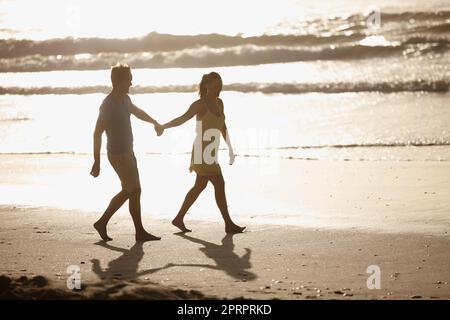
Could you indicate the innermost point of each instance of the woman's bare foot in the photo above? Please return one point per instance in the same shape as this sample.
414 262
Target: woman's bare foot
180 225
234 228
101 229
145 236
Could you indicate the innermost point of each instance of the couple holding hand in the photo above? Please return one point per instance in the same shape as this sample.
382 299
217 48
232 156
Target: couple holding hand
114 119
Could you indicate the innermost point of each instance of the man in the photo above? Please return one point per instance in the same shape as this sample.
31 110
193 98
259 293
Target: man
114 118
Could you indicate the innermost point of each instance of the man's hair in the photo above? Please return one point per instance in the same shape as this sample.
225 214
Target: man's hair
119 72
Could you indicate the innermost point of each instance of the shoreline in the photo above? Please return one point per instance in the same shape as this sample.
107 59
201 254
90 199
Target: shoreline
386 196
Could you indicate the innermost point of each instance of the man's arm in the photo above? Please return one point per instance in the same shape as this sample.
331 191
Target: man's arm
141 114
99 128
192 111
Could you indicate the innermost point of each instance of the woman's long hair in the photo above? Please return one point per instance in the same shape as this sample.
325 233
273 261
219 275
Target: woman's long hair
206 79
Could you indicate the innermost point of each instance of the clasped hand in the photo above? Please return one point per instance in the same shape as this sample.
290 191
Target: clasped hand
159 129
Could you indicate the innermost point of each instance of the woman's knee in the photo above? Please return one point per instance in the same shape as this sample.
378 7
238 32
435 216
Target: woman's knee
200 183
218 182
200 186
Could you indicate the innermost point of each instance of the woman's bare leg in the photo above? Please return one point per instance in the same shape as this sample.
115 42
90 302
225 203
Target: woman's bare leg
221 200
191 196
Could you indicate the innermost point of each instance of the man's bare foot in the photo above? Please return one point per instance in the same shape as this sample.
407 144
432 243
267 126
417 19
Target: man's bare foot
101 229
234 229
145 236
180 225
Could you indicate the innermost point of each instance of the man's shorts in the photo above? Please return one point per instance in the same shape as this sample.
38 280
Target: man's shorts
125 166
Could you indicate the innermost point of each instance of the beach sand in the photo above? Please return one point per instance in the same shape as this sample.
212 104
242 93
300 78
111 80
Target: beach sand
323 258
267 261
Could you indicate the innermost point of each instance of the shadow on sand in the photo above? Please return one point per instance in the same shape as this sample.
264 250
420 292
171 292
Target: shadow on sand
224 256
124 267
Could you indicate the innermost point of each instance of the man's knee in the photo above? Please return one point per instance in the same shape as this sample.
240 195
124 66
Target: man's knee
135 192
123 194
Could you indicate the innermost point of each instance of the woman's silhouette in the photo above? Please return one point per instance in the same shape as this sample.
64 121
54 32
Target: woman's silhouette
224 256
209 112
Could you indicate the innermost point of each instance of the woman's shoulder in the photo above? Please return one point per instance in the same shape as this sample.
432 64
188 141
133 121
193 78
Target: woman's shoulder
195 107
199 103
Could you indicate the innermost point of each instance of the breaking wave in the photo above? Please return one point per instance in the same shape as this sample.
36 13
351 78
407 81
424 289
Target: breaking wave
285 88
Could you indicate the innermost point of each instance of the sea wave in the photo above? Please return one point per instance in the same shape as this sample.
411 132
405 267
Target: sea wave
343 152
417 15
371 145
268 88
312 32
339 38
155 42
205 57
15 119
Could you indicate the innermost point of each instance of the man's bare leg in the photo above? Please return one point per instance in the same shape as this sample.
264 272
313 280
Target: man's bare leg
135 211
116 202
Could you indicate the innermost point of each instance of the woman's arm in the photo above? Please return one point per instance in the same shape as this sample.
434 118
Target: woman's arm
224 129
226 136
192 111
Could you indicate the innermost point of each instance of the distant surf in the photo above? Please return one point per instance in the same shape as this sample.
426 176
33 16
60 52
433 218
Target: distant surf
285 88
340 38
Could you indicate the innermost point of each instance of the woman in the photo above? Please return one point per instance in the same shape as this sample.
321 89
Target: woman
210 124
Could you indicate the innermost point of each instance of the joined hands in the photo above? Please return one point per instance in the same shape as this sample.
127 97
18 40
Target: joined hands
159 129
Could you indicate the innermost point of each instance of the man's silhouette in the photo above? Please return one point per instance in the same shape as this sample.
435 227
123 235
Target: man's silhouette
114 119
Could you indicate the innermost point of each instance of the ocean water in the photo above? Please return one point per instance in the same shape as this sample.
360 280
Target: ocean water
302 80
339 126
